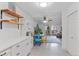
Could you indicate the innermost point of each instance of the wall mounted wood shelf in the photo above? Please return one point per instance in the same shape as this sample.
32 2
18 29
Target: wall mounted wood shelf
12 13
12 21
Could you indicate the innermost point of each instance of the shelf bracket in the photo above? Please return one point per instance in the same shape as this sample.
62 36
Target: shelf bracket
18 23
1 21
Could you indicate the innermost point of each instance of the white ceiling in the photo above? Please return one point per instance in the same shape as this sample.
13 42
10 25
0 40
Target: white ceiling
53 10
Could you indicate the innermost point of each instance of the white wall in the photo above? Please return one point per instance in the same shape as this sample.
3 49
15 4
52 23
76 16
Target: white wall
3 5
9 26
28 23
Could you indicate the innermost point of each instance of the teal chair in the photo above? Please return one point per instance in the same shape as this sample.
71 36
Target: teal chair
37 39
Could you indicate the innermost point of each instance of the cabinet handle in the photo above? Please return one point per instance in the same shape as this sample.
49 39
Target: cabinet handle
27 43
3 54
72 37
18 46
18 54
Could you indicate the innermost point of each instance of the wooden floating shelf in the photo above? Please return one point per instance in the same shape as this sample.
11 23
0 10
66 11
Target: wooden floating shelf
12 13
10 21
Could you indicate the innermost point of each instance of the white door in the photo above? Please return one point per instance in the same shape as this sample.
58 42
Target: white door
72 32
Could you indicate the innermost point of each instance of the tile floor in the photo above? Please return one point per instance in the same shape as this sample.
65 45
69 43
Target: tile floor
49 49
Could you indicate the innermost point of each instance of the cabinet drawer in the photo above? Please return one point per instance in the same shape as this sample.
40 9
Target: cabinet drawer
19 49
16 47
6 52
17 53
16 50
22 48
29 46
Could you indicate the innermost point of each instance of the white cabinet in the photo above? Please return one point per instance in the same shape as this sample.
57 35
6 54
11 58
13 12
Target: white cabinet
6 52
16 50
22 48
30 43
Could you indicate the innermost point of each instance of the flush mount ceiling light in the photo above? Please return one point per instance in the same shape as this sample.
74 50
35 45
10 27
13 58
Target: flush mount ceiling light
44 21
43 4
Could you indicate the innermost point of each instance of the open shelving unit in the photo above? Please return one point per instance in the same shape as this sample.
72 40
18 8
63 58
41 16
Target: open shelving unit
10 13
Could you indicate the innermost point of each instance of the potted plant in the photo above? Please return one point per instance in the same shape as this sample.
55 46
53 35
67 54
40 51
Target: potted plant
37 30
48 30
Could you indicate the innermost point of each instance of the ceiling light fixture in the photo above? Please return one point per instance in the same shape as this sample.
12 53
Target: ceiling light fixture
43 4
44 21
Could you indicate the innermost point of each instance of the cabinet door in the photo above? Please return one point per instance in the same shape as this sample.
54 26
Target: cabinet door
6 52
20 49
16 50
24 47
31 42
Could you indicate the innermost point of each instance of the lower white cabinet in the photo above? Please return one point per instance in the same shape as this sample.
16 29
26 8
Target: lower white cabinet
20 49
6 52
29 44
16 50
23 48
